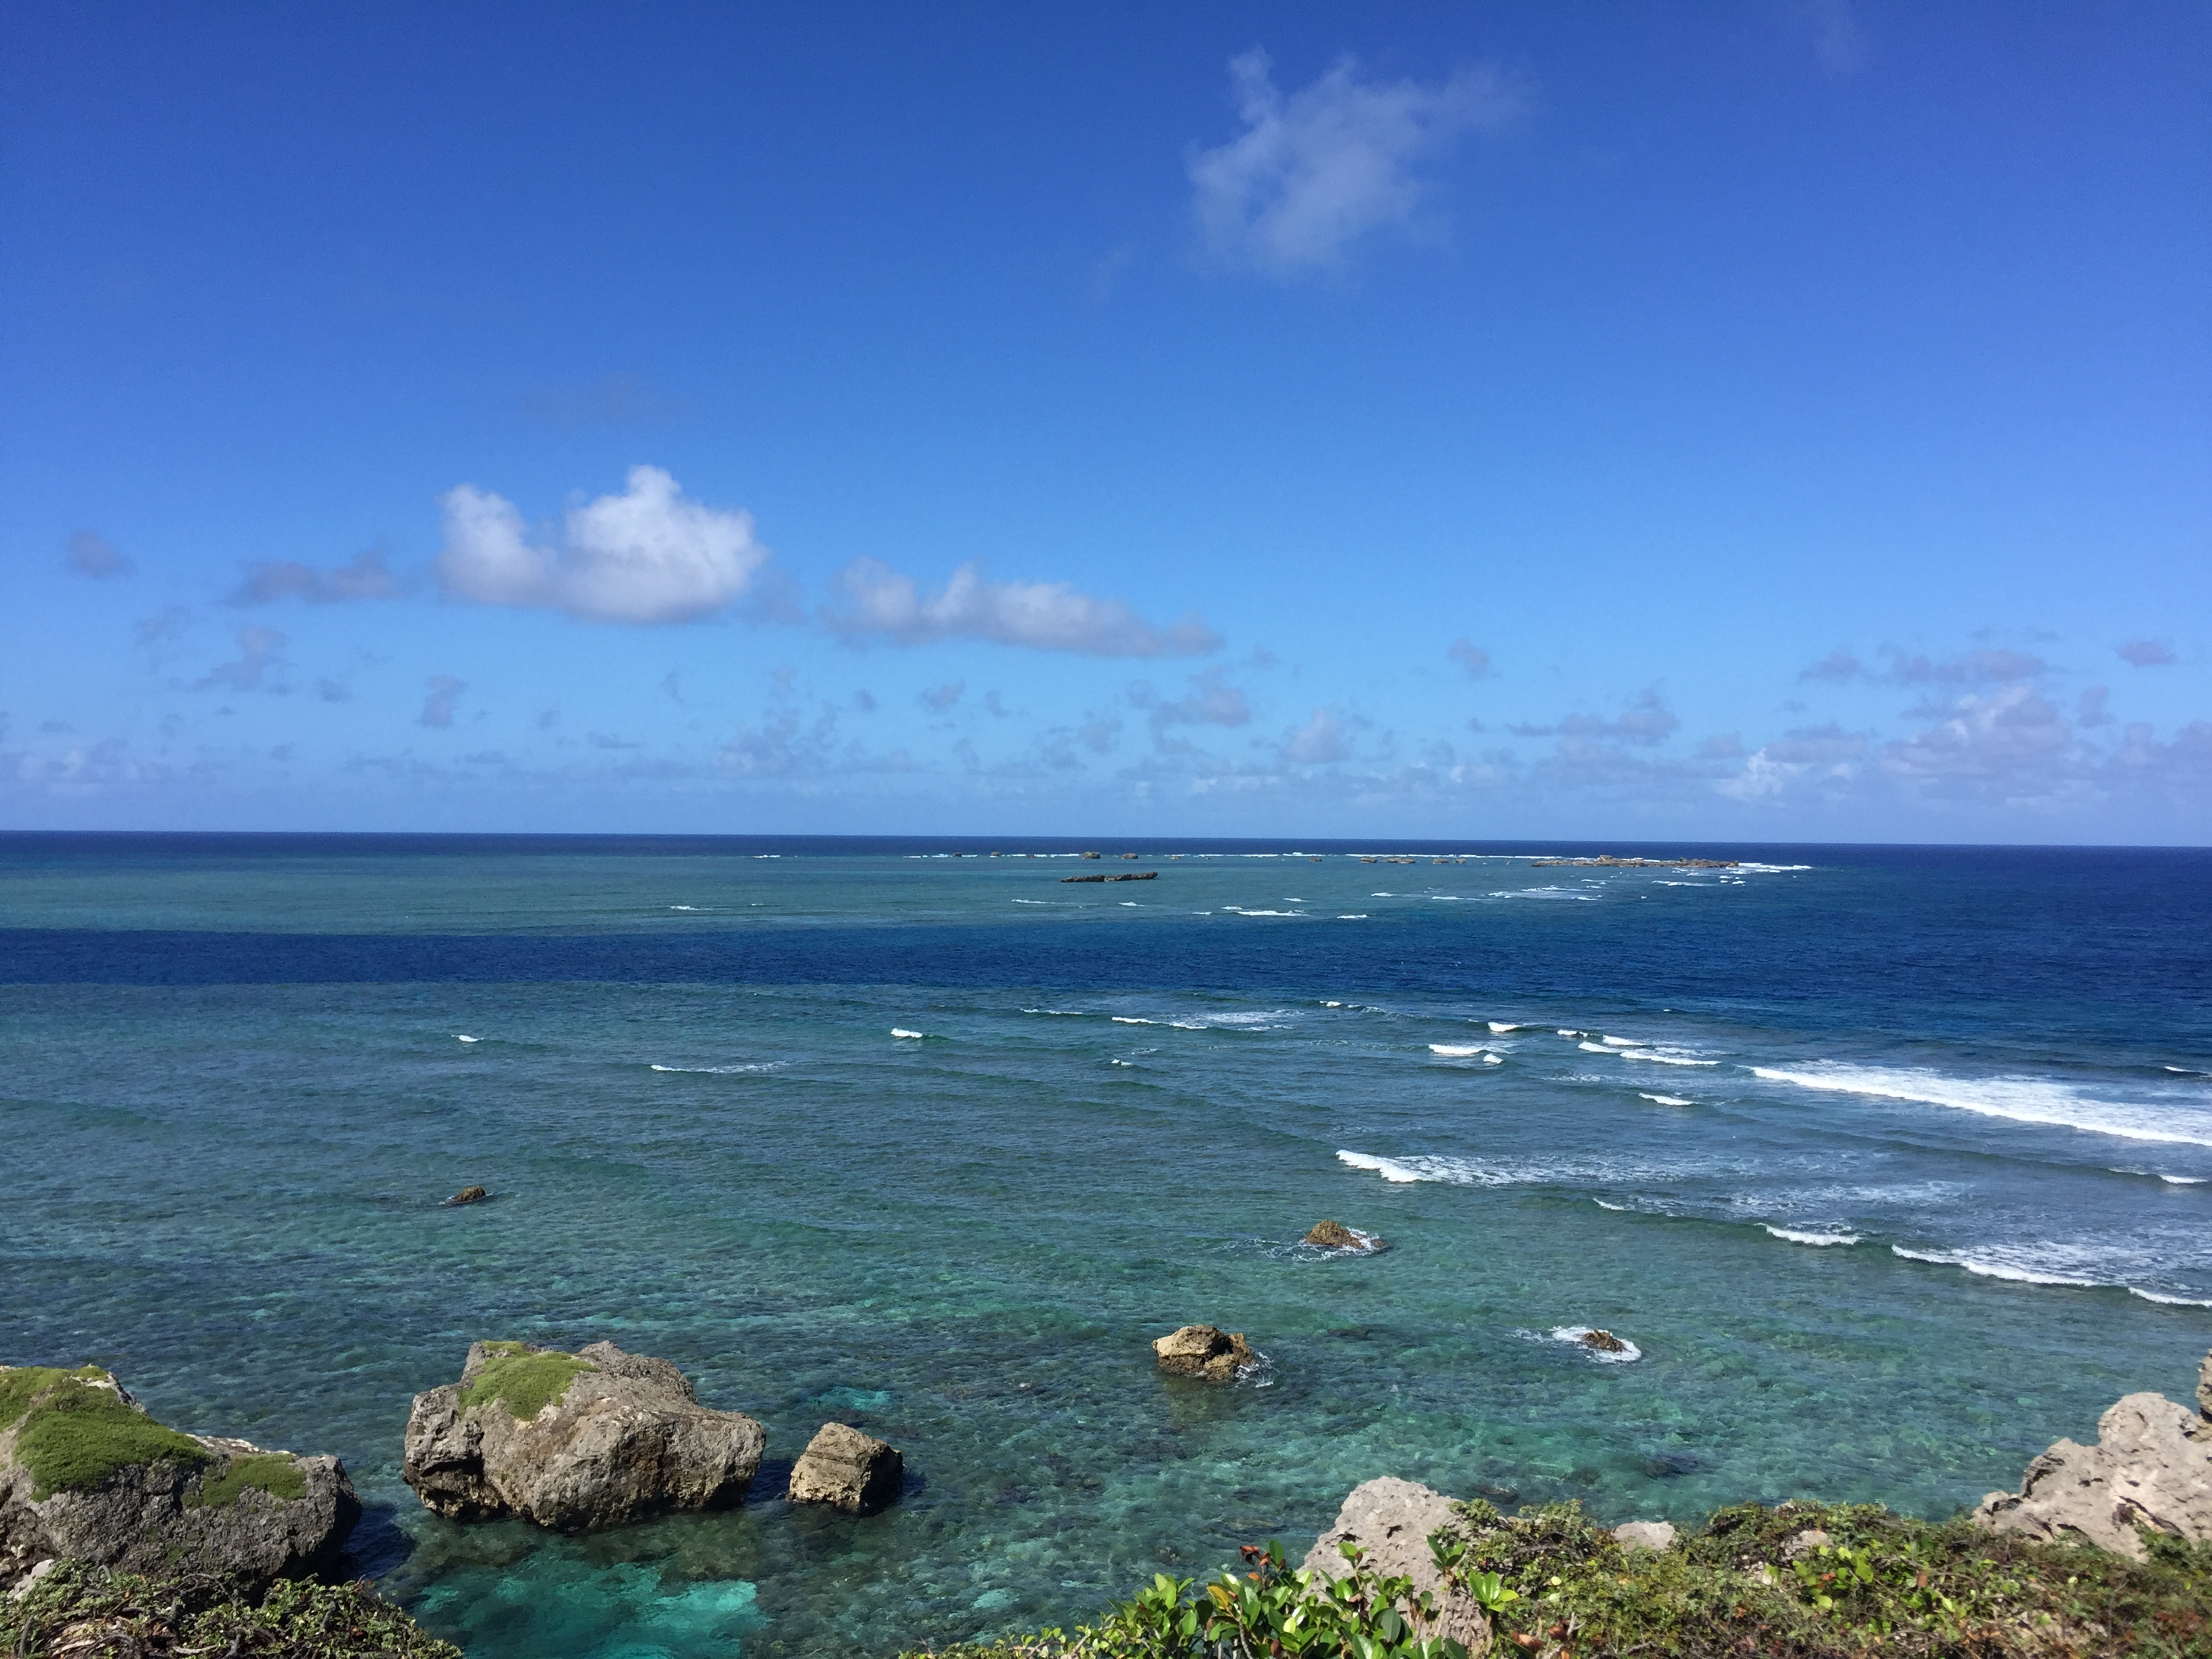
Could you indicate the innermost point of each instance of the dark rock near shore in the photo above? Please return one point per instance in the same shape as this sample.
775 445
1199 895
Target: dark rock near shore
87 1475
469 1196
2151 1467
573 1442
1205 1352
1603 1341
842 1467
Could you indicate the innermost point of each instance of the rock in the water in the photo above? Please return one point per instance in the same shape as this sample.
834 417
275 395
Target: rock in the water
1603 1341
1335 1236
469 1196
574 1441
1644 1534
86 1473
1204 1351
1391 1520
2151 1467
843 1467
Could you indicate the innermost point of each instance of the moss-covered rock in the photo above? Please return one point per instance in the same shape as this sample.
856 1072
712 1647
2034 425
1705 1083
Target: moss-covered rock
523 1380
87 1474
80 1610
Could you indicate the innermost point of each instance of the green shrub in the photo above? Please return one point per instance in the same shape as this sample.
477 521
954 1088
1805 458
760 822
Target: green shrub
524 1382
20 1384
78 1610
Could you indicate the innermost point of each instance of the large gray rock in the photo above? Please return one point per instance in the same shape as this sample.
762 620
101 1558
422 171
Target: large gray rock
573 1442
1391 1520
2151 1467
87 1474
842 1467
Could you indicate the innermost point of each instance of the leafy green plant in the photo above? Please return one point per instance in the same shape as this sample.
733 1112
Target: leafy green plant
524 1382
76 1610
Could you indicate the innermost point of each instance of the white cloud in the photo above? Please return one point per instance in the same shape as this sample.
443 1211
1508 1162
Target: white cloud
875 599
1212 702
645 556
1649 720
367 577
91 554
444 692
1320 740
1313 172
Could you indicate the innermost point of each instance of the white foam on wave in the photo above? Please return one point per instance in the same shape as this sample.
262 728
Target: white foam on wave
1131 1019
1058 1013
462 1036
1621 1042
682 907
1772 869
1667 1100
899 1031
1593 1048
1239 910
1028 901
1501 1026
1662 1058
722 1071
1985 1267
1629 1352
1353 915
1493 1060
1819 1241
1564 1032
2167 1301
1388 1168
1602 1205
2018 1099
1455 1050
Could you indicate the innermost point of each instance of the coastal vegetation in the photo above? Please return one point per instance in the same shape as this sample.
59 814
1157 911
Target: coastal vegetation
1796 1581
80 1612
74 1429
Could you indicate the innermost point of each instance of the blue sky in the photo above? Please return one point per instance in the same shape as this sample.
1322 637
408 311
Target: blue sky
1775 420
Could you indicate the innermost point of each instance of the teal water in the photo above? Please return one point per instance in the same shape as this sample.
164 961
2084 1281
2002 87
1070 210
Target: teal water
234 1091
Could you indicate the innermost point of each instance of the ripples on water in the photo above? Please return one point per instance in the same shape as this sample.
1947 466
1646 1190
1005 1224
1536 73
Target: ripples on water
1892 1167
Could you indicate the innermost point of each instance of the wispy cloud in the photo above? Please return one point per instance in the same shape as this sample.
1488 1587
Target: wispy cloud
1985 666
1649 721
647 556
939 700
2147 653
259 649
91 554
1314 171
1469 656
366 577
1321 740
875 600
610 400
1839 39
443 695
1210 700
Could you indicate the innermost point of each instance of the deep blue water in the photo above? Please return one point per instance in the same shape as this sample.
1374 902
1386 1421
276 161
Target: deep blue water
1893 1163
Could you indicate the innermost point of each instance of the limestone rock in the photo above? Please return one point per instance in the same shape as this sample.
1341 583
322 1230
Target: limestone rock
469 1196
843 1467
1335 1236
86 1473
2151 1467
1603 1341
1391 1520
1204 1351
573 1442
1644 1534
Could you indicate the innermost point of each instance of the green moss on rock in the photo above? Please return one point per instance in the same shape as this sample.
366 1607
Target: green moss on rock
524 1382
277 1474
76 1433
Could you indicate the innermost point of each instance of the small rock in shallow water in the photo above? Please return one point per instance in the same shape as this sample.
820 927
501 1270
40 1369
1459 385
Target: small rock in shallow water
1646 1535
842 1467
1204 1351
1335 1236
1603 1341
469 1196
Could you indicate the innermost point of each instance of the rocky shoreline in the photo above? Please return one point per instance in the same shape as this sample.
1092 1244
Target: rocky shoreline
94 1494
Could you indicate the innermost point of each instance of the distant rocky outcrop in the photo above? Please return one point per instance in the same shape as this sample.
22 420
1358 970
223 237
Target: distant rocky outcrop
2151 1467
86 1473
573 1442
1391 1521
1204 1351
1335 1236
1603 1341
468 1195
842 1467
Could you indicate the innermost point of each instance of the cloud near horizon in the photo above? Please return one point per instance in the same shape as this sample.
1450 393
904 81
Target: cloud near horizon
876 601
648 555
1314 171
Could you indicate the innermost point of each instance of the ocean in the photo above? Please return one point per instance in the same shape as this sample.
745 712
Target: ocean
1892 1164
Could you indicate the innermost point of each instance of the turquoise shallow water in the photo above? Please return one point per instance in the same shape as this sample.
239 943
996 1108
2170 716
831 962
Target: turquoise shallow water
235 1089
